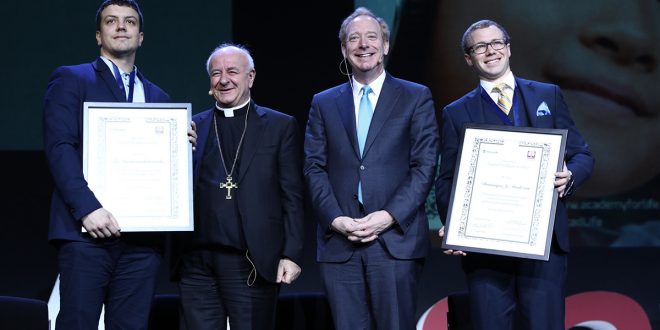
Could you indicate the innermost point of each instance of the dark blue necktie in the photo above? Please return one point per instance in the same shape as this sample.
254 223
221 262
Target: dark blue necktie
120 82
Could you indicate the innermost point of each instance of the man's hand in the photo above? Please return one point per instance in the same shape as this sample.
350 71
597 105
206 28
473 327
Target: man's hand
345 226
369 227
441 234
101 224
287 271
192 135
562 180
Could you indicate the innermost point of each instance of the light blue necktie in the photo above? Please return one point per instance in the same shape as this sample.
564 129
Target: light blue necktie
364 120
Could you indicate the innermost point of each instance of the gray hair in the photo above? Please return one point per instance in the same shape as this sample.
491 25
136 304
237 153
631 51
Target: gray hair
361 11
241 48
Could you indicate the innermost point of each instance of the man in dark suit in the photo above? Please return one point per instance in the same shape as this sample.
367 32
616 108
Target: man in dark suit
248 204
368 179
499 287
97 267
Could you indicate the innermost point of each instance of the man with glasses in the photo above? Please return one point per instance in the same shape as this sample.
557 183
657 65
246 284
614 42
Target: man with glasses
507 291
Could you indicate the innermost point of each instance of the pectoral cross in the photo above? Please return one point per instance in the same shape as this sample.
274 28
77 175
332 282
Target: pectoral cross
229 186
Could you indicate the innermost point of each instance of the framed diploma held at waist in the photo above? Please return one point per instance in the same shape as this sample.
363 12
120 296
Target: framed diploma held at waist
138 162
503 199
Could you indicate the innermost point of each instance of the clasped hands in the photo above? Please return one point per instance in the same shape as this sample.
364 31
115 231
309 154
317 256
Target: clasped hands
365 229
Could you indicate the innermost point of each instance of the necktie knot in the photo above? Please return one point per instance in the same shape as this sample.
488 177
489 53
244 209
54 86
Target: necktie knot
500 88
366 90
503 100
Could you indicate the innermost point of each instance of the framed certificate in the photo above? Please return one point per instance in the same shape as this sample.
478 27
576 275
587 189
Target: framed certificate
138 162
503 198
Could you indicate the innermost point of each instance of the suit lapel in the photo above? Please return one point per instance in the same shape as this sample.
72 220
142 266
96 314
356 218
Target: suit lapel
387 100
475 106
346 109
530 100
256 125
109 79
146 84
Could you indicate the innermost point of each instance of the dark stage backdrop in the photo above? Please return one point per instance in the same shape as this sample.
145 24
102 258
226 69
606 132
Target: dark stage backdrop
602 54
178 36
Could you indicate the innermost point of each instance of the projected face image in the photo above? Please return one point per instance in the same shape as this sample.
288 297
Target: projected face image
604 59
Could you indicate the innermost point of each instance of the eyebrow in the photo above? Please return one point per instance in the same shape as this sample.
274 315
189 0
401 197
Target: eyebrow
116 16
368 33
226 68
491 40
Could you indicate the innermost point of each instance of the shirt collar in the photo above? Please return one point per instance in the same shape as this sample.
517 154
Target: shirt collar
109 64
217 106
508 79
375 85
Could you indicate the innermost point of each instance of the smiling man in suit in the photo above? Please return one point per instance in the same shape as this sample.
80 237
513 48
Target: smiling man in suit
248 189
99 266
371 148
506 290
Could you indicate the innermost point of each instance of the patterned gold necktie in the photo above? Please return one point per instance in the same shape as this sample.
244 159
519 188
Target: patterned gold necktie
503 101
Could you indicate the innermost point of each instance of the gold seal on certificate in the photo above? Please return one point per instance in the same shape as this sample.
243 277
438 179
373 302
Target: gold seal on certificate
503 197
138 162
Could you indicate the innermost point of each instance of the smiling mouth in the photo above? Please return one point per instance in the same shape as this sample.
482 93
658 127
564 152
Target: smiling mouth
492 61
622 96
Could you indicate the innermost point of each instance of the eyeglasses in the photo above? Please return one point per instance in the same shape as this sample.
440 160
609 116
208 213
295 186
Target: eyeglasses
481 47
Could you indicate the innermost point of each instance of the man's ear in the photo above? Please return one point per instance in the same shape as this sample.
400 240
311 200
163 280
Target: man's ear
468 59
251 77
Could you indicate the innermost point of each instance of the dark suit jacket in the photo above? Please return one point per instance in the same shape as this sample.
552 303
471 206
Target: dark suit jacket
470 109
270 185
68 88
397 170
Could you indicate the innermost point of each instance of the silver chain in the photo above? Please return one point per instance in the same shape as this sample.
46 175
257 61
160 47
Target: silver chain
240 142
